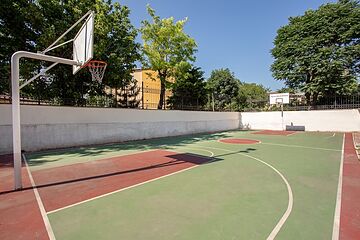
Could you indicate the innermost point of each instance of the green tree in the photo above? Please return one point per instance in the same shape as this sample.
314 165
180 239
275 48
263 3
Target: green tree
43 21
129 95
224 88
114 42
121 53
286 90
167 48
253 96
19 30
319 52
188 91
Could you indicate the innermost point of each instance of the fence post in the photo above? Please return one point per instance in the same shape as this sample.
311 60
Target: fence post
213 102
142 95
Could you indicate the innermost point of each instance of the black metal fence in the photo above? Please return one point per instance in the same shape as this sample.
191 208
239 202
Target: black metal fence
300 104
148 98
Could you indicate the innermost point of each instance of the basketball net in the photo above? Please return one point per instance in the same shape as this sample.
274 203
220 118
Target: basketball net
97 69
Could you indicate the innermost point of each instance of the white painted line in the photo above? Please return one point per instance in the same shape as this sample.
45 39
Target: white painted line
283 219
211 153
333 135
45 218
257 141
126 188
357 149
299 146
336 226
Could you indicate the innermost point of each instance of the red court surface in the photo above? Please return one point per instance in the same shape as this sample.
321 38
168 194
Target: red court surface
274 132
350 199
20 217
239 141
66 185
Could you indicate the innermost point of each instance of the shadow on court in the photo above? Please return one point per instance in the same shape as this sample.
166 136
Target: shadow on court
70 184
175 159
44 157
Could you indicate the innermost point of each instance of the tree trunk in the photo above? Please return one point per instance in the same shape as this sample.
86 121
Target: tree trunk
162 76
162 95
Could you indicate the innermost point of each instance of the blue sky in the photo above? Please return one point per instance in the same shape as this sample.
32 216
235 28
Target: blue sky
234 34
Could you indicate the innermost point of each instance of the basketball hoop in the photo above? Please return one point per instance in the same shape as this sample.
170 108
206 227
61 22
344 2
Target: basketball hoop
97 69
279 102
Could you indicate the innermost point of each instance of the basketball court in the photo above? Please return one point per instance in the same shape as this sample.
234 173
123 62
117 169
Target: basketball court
185 188
225 185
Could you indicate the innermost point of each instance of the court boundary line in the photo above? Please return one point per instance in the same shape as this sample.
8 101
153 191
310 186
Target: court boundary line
129 187
257 132
300 146
257 141
357 149
44 216
337 214
287 213
297 146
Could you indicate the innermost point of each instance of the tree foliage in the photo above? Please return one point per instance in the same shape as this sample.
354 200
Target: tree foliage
129 95
188 91
252 96
167 48
40 22
224 88
286 90
319 52
122 52
19 28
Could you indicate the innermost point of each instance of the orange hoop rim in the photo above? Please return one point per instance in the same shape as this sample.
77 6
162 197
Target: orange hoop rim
95 64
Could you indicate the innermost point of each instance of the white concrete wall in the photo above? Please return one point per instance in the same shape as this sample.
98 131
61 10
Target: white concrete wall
46 127
324 120
54 127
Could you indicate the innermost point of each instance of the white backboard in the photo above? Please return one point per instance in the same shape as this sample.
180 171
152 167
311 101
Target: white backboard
83 43
280 98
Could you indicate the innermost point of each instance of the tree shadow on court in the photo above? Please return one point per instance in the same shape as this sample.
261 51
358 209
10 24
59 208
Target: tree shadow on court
247 150
176 159
101 151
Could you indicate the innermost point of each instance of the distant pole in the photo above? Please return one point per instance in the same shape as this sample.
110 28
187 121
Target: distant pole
213 102
142 95
282 116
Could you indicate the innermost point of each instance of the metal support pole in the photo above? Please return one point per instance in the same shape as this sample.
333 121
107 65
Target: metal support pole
67 31
15 96
282 116
38 75
15 60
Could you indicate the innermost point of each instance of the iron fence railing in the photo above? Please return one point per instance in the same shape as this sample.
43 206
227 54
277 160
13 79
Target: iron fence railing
148 98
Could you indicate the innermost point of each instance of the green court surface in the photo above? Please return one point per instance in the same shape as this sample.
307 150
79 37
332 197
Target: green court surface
239 196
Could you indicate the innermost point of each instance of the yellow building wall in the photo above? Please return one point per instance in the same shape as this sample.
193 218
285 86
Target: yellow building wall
150 82
149 85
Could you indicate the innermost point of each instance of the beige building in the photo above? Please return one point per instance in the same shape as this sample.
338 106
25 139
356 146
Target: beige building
149 89
149 83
